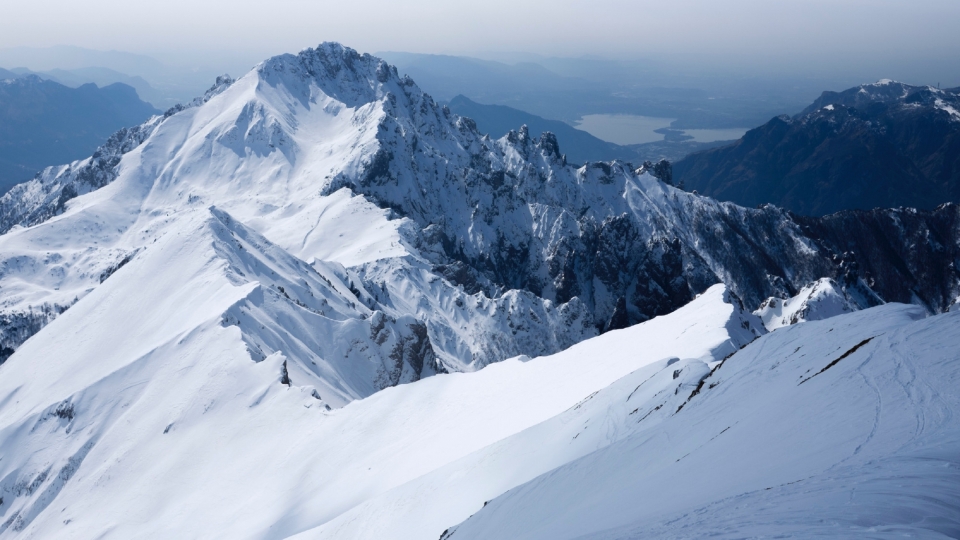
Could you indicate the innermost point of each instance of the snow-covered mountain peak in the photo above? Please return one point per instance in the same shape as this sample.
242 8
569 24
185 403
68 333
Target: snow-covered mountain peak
339 72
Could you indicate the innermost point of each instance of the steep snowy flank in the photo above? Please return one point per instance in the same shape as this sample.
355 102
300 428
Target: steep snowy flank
837 428
118 421
266 149
30 301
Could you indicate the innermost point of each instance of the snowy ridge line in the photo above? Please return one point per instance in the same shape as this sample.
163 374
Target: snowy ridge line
313 325
165 406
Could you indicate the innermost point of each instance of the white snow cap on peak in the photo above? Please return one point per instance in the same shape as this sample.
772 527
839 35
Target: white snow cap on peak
340 72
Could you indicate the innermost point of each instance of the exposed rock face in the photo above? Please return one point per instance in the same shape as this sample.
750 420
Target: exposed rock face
17 326
904 255
874 146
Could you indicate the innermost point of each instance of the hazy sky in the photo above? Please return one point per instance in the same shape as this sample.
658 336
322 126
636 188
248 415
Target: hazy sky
765 34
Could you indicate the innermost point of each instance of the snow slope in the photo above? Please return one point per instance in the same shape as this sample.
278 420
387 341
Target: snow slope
839 428
118 421
268 149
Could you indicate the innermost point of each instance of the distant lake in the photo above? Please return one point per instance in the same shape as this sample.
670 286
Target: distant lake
624 128
635 129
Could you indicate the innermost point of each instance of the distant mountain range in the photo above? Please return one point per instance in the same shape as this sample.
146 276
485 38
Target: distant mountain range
43 122
100 76
160 84
880 145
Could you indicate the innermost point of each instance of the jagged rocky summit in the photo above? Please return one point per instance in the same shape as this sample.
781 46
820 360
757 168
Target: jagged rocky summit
474 249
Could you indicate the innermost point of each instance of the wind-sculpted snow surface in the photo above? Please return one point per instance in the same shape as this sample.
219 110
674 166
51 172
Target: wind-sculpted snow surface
841 428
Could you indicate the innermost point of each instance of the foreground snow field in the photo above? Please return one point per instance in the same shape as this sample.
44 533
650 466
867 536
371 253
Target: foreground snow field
844 428
839 427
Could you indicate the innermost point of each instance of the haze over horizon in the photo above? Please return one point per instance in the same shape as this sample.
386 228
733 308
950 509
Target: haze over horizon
914 42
